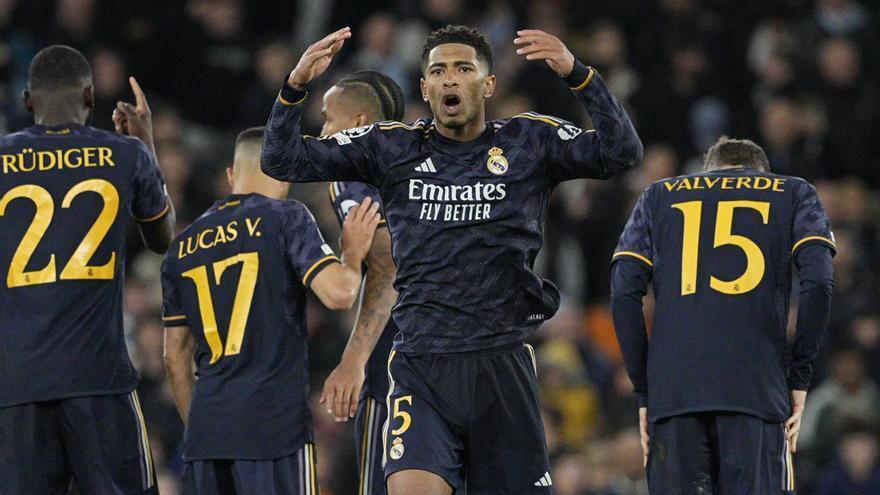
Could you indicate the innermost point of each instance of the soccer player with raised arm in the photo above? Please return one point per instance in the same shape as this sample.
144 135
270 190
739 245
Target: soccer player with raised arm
465 200
721 392
359 384
68 194
234 294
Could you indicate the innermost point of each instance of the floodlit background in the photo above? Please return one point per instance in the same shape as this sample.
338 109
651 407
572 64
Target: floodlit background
797 76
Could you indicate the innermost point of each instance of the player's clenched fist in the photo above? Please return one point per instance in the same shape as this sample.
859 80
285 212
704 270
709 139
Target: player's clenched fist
359 228
317 58
537 44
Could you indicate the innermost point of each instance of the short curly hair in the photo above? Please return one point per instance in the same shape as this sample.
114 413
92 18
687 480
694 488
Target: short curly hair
465 35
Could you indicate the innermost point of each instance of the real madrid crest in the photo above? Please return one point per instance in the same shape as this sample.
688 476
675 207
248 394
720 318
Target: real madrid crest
396 449
496 163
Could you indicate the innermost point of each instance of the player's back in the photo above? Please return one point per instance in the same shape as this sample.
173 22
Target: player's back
721 246
236 277
67 197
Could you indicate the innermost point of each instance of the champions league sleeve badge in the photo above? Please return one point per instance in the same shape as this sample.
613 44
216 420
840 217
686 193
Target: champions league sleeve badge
496 163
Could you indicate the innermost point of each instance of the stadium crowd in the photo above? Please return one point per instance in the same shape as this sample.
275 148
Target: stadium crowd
798 76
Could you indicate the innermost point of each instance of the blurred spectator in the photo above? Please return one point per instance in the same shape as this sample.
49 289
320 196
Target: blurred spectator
218 60
852 103
272 62
111 85
848 395
629 464
784 140
377 49
606 50
855 472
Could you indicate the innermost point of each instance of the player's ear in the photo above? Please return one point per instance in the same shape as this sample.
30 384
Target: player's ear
424 87
489 88
89 96
230 177
362 119
28 101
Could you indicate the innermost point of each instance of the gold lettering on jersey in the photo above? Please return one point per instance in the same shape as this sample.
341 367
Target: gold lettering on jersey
777 184
252 228
30 160
727 183
216 236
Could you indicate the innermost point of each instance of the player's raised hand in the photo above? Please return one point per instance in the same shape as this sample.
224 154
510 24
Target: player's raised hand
643 433
793 424
135 120
317 58
536 45
359 228
342 389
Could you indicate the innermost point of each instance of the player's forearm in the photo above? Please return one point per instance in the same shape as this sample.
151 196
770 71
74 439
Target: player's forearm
378 299
280 157
629 282
619 147
816 275
182 380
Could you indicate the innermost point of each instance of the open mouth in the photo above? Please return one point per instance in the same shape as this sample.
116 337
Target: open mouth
451 103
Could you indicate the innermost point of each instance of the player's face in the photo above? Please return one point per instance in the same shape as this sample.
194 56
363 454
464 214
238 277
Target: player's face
455 84
336 116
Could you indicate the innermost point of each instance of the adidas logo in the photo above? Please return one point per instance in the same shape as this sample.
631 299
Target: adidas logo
426 166
544 481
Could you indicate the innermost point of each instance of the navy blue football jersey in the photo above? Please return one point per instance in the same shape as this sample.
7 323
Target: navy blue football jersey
67 197
237 277
344 196
466 218
720 245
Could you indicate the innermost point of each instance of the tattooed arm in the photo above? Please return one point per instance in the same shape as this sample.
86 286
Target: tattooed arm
343 387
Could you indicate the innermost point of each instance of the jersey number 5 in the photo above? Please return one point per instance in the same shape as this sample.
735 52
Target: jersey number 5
755 265
241 307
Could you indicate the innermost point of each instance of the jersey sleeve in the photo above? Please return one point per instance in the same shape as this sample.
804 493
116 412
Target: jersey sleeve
149 201
811 223
172 308
611 148
304 245
636 240
291 156
346 195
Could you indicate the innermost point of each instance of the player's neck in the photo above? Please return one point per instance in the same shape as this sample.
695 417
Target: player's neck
468 132
60 117
248 187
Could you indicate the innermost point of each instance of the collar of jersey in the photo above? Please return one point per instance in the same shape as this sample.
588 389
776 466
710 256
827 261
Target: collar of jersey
459 147
740 168
230 198
44 129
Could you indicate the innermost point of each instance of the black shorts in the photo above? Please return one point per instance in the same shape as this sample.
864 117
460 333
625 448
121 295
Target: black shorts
471 418
98 444
291 475
371 415
719 453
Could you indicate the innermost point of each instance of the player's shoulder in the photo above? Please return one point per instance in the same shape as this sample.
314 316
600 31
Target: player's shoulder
15 139
533 119
539 123
393 127
116 139
289 212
